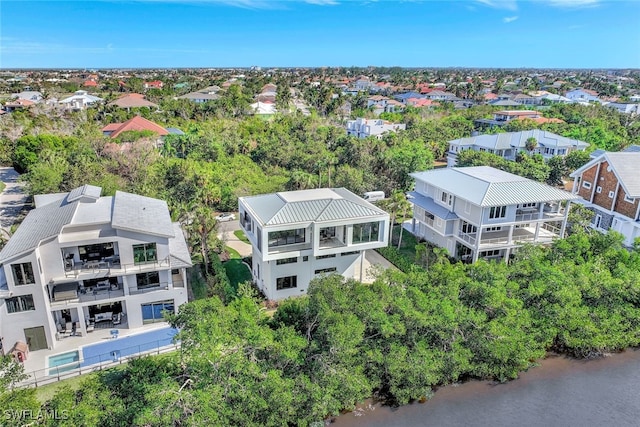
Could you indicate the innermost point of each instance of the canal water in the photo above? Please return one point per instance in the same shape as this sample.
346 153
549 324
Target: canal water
560 392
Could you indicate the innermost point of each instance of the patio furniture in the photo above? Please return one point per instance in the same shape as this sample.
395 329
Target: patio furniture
117 318
114 333
101 317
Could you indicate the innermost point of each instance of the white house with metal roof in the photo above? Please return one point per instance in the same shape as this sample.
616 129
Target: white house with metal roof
80 261
483 212
363 128
299 235
80 100
509 144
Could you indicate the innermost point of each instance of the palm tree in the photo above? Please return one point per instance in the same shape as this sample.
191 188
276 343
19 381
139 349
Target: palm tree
530 144
397 205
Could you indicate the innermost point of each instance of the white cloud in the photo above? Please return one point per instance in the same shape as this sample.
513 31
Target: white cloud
500 4
573 3
508 19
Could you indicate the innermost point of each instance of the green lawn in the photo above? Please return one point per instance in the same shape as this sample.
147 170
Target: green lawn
241 236
409 242
236 270
1 186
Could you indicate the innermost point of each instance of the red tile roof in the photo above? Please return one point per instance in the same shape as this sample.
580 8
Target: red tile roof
137 124
90 83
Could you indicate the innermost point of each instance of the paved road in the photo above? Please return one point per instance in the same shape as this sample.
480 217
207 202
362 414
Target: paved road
12 199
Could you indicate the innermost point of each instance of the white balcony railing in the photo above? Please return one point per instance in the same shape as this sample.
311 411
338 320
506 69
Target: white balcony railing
153 288
112 268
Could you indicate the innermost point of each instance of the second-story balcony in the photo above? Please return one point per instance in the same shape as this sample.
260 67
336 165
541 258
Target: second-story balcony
65 294
546 233
113 266
152 287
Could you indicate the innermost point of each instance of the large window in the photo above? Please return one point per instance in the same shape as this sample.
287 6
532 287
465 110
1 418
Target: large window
286 237
144 253
468 228
288 282
497 212
152 312
23 274
326 270
447 198
148 280
367 232
21 303
96 252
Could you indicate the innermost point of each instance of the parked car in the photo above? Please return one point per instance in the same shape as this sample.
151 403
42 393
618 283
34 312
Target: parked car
224 217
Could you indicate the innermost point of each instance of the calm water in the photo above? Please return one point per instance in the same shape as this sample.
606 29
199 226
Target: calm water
560 392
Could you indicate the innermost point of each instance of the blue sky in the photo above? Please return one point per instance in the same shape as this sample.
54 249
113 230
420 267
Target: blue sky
242 33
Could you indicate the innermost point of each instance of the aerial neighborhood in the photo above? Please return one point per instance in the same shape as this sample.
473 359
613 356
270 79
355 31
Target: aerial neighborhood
167 209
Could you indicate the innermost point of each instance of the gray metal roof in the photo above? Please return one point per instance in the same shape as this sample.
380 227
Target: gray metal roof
40 224
142 214
428 204
487 186
319 205
40 200
127 212
632 149
505 141
625 165
180 257
85 191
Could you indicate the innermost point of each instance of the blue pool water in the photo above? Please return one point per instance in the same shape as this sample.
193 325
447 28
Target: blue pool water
67 359
113 349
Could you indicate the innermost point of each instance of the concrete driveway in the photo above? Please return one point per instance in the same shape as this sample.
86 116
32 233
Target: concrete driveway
12 198
225 233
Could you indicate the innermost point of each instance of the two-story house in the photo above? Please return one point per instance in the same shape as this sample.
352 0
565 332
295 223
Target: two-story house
501 118
363 128
482 212
610 186
582 95
298 235
82 261
509 144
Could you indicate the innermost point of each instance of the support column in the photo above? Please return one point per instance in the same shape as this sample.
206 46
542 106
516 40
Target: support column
535 235
564 221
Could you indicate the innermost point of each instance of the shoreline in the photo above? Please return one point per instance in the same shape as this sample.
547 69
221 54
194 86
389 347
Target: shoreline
552 367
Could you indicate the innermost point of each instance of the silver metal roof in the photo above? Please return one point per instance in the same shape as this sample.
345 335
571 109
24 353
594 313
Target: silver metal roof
318 205
505 141
142 214
428 204
487 186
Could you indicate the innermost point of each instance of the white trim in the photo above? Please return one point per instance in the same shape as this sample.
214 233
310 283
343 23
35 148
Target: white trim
586 184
